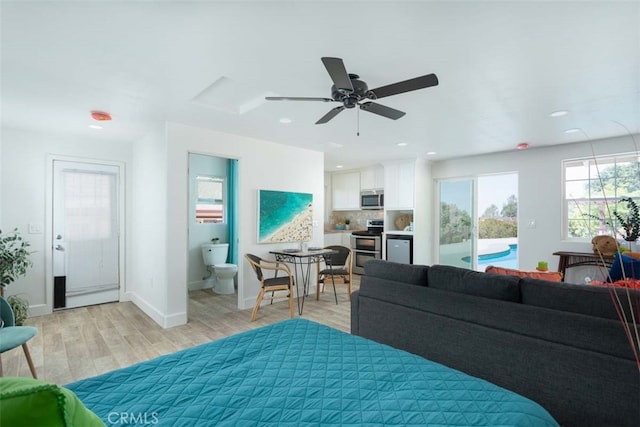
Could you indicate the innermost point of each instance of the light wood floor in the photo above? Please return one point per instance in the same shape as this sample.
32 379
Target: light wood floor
82 342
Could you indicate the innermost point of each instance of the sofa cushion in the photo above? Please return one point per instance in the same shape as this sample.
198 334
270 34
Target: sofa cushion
582 299
455 279
405 273
552 276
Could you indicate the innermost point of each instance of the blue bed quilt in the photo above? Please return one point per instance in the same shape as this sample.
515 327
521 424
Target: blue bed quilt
300 373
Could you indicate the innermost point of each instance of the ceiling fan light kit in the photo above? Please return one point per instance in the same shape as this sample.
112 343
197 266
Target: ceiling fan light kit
349 90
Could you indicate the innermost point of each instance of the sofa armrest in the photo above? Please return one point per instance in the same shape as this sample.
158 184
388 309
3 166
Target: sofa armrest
355 304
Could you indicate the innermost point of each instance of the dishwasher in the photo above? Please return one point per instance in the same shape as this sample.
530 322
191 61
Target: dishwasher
400 248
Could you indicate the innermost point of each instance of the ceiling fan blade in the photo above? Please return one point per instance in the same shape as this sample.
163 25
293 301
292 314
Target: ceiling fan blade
337 71
296 98
421 82
330 115
382 110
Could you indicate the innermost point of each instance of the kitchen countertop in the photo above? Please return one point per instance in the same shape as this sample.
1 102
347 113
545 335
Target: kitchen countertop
333 230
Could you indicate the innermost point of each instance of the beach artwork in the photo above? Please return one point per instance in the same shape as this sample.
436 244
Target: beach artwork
284 216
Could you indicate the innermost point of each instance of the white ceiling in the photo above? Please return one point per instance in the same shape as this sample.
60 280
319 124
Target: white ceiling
503 67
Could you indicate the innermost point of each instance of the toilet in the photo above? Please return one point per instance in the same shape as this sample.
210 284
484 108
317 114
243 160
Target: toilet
215 257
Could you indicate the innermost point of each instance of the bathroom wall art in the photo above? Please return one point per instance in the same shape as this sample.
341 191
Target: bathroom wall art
284 216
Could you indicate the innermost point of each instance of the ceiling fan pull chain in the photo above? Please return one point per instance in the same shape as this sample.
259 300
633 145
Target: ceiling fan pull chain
358 122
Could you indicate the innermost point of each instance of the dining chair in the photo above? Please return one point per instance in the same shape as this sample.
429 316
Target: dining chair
12 336
338 270
277 285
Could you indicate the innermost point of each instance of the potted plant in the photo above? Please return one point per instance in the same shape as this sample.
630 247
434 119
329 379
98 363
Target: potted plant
14 262
631 223
347 223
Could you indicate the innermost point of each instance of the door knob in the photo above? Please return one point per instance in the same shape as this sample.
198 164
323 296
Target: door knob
59 248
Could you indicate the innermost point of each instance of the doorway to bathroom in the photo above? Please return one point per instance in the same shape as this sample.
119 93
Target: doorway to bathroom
212 220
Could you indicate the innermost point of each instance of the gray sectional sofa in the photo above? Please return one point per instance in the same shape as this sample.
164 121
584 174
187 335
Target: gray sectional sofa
558 344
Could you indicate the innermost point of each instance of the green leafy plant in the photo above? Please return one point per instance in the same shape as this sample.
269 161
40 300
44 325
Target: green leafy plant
14 257
20 307
14 263
631 223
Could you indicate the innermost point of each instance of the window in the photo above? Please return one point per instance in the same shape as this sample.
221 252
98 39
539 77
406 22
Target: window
593 188
210 201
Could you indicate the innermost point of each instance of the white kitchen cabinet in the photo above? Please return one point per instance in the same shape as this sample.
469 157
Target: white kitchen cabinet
372 178
346 239
399 185
332 239
346 191
338 238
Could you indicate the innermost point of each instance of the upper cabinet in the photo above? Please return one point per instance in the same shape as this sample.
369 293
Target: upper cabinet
346 191
399 185
372 178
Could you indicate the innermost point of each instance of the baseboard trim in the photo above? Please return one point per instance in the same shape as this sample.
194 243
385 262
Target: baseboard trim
38 310
198 285
165 321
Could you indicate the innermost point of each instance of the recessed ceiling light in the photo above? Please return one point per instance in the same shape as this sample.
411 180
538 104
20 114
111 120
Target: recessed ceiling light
402 144
574 130
339 167
285 120
431 153
95 127
559 113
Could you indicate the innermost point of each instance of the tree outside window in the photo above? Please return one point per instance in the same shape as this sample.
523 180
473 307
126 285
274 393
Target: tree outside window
593 189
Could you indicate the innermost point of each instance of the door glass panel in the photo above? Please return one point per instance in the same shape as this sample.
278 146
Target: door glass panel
456 223
497 243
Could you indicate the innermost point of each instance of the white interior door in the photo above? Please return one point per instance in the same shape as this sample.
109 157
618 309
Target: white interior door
85 234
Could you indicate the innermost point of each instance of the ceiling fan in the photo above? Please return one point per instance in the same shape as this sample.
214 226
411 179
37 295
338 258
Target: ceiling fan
349 90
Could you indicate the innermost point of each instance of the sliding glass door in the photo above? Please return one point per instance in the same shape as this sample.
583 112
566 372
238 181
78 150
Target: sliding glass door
478 221
456 225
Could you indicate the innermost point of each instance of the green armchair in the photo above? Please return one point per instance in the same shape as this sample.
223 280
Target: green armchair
12 336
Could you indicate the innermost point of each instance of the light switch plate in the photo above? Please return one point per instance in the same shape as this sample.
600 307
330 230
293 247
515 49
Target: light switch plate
35 228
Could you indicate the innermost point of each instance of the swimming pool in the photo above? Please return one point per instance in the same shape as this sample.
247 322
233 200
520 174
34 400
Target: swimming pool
507 258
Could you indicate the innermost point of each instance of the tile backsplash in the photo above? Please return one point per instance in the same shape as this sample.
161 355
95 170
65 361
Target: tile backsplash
358 218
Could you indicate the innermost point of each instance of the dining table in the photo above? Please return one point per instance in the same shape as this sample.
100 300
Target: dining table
302 261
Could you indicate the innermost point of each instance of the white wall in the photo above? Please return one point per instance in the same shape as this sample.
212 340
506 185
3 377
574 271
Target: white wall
539 191
23 171
261 165
147 271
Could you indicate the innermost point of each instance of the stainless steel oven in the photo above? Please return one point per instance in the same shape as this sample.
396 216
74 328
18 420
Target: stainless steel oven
367 245
360 257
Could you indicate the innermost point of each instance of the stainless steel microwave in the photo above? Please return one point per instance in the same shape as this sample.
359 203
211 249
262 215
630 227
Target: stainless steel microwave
372 200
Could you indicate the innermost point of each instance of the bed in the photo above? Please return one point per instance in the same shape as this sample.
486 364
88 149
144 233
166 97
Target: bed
298 372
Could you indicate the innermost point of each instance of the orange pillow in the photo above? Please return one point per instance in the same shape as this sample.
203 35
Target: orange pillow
632 254
552 276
